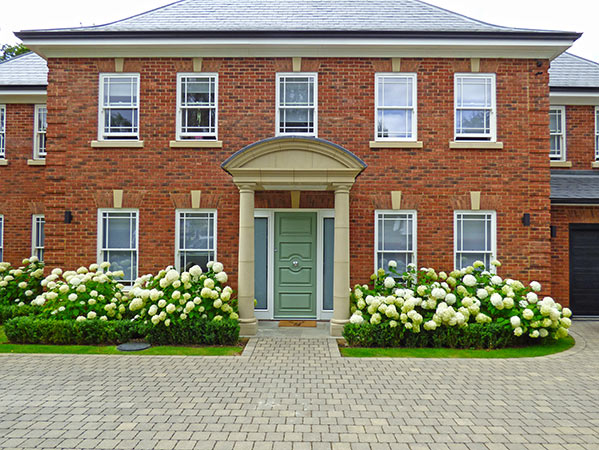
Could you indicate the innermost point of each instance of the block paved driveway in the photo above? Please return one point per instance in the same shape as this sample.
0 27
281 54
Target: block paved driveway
300 394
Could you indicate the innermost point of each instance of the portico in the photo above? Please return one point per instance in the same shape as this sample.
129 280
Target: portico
293 164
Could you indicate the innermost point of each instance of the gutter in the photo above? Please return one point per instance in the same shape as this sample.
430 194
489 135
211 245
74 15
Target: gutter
172 34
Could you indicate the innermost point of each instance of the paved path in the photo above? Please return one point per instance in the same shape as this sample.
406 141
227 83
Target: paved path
300 394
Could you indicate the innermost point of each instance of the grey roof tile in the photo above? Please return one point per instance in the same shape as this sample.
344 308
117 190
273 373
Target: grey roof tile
28 69
568 70
575 186
299 15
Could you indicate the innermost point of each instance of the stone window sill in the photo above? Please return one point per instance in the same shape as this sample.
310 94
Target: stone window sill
3 162
196 144
117 144
395 144
595 165
36 162
482 145
566 164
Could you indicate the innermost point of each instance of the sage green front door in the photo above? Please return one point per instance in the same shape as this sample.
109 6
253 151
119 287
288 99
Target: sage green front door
295 265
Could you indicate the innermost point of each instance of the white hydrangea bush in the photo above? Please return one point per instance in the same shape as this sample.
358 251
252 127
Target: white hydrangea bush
20 286
424 300
173 297
89 293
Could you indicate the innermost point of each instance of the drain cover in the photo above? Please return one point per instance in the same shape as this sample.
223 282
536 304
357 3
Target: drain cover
133 346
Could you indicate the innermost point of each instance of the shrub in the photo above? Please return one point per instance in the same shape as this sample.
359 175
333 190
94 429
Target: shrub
20 286
92 293
9 311
476 336
171 297
195 331
426 303
31 330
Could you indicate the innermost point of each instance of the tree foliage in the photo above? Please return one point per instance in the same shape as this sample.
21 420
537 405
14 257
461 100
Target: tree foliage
8 51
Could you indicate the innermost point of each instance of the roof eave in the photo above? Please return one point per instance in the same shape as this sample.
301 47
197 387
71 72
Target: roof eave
91 34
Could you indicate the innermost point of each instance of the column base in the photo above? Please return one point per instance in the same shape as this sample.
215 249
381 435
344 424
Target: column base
337 327
248 327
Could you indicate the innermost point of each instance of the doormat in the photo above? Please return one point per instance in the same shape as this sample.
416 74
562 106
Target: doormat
297 323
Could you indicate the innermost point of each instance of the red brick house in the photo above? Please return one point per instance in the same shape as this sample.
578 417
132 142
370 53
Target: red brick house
301 144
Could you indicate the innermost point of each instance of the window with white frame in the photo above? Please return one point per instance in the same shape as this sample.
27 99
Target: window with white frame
474 233
119 106
395 239
557 133
297 100
39 138
597 133
396 104
2 131
197 100
118 241
1 238
475 107
195 238
38 236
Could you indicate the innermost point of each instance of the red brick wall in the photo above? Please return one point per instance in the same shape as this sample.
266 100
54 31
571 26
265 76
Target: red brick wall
434 180
561 218
580 136
21 185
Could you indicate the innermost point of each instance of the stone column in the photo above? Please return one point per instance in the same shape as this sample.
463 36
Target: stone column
341 261
245 274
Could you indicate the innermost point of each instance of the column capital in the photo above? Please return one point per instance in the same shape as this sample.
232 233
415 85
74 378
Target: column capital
341 187
246 187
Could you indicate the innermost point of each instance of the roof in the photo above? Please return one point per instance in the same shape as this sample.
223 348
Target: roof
26 70
574 186
571 71
294 16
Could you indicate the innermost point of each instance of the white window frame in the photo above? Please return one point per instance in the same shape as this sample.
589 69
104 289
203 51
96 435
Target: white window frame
492 135
2 131
562 134
178 250
38 152
493 237
413 108
381 213
107 136
101 250
278 106
180 136
36 249
2 226
596 133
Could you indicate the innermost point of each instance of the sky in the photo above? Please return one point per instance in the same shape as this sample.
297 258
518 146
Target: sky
573 15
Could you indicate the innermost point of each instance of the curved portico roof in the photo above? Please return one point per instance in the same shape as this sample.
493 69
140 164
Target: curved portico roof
294 162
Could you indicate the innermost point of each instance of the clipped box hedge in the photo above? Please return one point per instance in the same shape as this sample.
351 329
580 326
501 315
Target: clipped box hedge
32 330
474 336
8 312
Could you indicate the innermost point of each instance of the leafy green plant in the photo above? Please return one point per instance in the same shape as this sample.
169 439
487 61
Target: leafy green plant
20 286
479 307
85 294
31 330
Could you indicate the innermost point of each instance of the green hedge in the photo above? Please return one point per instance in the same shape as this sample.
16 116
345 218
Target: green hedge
476 336
195 332
31 330
9 311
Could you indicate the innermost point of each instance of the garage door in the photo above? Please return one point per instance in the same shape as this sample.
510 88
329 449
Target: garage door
584 269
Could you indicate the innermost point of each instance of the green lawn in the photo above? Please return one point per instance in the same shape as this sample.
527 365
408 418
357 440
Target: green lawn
547 348
5 347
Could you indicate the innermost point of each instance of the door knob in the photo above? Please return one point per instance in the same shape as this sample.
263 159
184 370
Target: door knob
295 263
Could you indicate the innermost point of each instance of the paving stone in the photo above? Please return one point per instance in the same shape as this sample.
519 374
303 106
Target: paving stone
299 394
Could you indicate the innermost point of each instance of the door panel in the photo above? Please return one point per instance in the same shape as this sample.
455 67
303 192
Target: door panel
584 269
295 265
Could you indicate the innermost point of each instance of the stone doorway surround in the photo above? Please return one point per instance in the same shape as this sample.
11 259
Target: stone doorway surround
293 163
